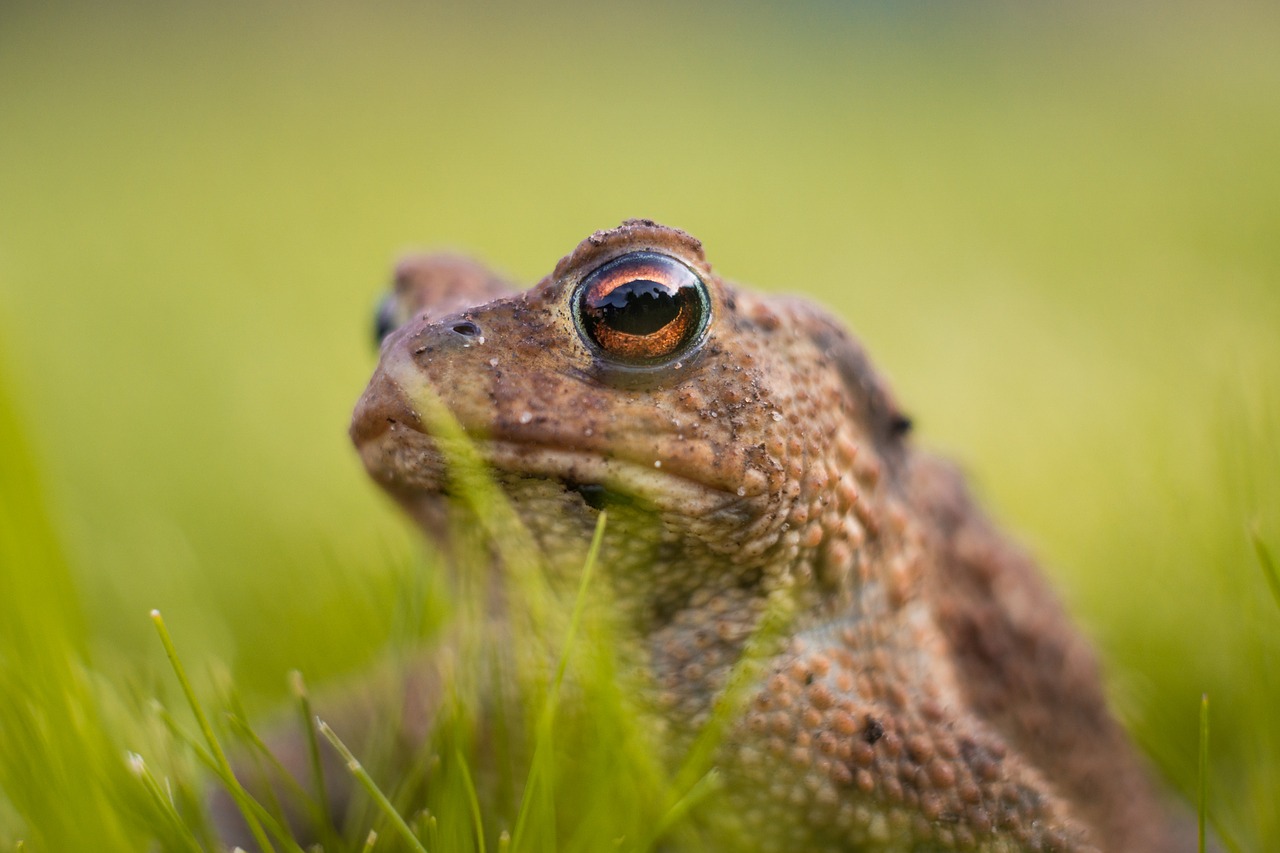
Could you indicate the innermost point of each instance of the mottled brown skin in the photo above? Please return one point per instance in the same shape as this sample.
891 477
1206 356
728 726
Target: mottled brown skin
927 692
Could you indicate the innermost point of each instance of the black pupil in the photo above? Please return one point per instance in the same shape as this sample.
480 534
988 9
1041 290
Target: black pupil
639 307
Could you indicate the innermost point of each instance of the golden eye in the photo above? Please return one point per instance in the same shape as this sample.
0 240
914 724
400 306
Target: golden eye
642 308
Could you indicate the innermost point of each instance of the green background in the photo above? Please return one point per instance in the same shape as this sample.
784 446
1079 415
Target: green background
1056 228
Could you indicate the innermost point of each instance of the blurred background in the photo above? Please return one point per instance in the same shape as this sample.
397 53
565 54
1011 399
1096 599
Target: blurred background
1056 228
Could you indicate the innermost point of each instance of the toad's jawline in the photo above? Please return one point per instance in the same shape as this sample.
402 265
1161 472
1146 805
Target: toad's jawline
423 469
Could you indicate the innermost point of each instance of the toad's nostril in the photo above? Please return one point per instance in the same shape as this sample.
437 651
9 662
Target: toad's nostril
467 329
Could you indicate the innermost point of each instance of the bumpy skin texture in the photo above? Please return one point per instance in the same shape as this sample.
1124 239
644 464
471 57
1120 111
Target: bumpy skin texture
928 692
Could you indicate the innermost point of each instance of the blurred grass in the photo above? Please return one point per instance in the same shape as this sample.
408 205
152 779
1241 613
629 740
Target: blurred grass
1058 230
53 738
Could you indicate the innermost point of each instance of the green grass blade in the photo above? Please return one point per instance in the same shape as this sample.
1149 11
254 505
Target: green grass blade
473 800
1203 811
430 827
261 753
237 791
371 787
1268 564
307 719
703 788
249 807
744 676
580 601
163 802
542 771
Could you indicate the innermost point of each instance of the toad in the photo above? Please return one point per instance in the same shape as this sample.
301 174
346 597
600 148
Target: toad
925 689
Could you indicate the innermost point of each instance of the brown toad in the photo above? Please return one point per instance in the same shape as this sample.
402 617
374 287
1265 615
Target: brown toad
928 691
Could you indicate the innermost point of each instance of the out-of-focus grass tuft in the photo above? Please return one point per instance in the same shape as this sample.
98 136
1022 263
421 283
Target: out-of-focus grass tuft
62 766
1054 228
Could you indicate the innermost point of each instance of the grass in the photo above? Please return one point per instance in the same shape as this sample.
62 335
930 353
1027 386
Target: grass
1267 563
1202 801
1053 228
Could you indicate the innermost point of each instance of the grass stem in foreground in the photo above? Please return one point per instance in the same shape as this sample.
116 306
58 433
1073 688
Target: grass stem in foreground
163 801
1268 564
371 787
540 774
473 800
1204 769
299 689
219 757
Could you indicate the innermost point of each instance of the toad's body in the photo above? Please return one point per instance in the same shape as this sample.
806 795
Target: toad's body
928 691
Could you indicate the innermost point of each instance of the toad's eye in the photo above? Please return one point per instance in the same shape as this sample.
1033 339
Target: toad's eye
642 308
386 319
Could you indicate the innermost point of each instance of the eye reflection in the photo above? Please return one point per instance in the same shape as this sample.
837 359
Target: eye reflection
642 308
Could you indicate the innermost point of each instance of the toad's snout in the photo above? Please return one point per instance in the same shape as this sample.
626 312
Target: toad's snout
388 401
382 406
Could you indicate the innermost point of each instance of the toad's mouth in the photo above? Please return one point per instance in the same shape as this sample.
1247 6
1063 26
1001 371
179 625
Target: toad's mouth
410 463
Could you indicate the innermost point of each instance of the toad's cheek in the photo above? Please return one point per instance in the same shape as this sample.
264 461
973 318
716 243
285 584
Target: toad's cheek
410 440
